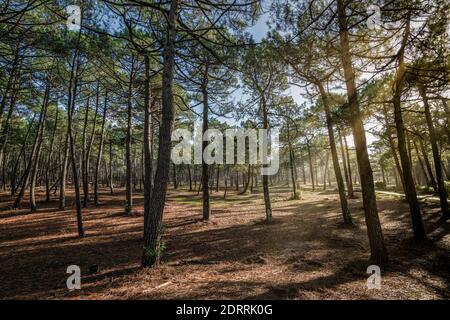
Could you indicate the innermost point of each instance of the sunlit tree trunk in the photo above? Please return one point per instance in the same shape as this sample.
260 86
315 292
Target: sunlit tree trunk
410 189
375 234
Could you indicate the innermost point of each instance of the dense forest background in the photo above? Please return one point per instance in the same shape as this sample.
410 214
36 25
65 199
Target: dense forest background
359 91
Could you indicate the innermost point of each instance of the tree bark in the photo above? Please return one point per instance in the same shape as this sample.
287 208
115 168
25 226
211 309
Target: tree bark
205 169
410 189
375 234
337 170
436 156
152 242
129 165
100 150
148 152
348 180
40 136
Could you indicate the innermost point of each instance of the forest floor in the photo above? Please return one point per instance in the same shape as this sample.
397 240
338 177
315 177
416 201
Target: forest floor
306 253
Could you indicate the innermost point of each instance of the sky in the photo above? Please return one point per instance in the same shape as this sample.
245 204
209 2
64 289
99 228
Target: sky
259 31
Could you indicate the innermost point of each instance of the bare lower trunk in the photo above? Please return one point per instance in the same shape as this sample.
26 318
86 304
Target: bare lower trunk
152 241
100 151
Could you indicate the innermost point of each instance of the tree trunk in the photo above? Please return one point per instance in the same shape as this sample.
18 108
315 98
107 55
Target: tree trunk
100 150
49 157
393 148
129 165
311 169
410 189
436 156
30 168
265 177
295 194
70 111
422 166
40 136
377 247
148 146
348 180
205 169
337 170
111 182
152 242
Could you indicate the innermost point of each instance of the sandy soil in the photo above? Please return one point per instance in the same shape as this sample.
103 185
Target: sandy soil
305 253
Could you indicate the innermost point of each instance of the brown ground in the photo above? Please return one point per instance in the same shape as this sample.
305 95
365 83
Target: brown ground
304 254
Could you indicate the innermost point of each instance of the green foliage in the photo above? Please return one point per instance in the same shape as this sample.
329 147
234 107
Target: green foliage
157 252
127 207
297 195
447 186
380 185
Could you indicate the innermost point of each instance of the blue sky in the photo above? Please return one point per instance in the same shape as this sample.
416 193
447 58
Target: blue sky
259 31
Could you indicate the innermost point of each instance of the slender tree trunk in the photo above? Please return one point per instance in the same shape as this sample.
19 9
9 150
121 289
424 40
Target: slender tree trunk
265 177
189 176
247 180
31 165
40 135
337 170
436 156
377 247
152 242
22 152
348 180
49 157
311 169
295 194
5 129
73 83
128 160
410 189
422 166
175 179
89 148
148 151
205 169
217 177
393 148
83 159
100 150
111 181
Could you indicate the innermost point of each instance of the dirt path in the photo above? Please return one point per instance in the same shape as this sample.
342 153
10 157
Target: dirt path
304 254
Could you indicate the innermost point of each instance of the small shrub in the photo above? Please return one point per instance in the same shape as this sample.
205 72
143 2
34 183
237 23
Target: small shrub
127 208
380 185
297 195
447 186
149 252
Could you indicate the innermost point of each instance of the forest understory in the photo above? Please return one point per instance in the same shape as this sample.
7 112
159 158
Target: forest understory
305 253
